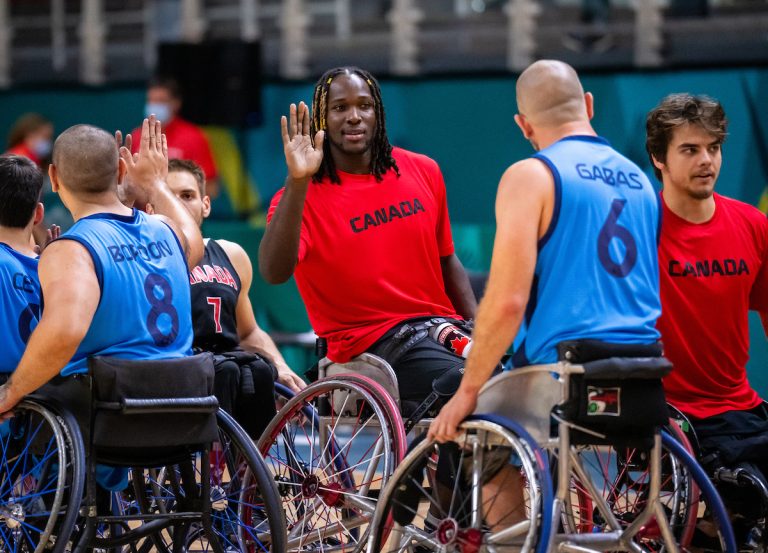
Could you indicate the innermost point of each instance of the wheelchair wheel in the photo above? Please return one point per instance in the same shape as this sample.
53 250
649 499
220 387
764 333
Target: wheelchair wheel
621 475
246 513
331 449
487 491
41 478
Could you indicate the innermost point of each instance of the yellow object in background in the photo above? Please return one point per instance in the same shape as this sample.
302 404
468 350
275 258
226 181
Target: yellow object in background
233 175
762 204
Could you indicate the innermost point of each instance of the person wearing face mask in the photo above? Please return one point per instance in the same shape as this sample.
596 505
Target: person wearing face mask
31 136
185 140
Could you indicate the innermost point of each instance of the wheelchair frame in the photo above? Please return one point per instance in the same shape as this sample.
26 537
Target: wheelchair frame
539 389
189 502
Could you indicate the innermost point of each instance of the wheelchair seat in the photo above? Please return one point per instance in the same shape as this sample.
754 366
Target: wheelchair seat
606 396
365 364
381 372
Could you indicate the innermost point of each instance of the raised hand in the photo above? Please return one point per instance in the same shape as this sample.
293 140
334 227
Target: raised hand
51 233
149 166
125 189
301 156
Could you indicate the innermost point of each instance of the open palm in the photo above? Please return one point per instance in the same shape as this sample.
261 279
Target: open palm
302 157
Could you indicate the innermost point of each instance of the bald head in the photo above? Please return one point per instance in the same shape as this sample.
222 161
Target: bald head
549 94
86 159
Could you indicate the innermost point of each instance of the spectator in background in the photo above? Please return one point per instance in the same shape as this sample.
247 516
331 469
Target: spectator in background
185 140
31 136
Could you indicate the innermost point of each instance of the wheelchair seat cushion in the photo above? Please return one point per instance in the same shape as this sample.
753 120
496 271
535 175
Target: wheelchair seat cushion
151 405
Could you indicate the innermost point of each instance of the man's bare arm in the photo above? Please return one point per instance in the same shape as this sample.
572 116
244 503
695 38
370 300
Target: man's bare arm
252 336
147 173
457 286
525 191
279 249
71 291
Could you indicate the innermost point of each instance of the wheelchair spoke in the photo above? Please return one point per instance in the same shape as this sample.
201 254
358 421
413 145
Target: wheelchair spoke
353 467
348 443
334 422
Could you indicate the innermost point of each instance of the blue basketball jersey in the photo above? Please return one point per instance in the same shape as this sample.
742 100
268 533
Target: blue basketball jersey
144 311
597 274
19 304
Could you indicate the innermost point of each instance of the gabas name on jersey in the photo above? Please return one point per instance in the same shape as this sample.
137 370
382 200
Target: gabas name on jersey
208 273
611 177
707 268
386 215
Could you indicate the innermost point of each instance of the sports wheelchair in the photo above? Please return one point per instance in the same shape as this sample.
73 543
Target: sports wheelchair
596 481
333 447
186 476
741 484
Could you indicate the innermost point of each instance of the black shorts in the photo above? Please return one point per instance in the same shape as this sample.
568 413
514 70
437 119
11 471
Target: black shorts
735 436
418 367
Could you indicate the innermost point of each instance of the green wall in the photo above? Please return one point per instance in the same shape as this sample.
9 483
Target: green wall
466 124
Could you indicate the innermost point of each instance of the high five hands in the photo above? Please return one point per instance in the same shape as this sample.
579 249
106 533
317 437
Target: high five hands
146 168
302 154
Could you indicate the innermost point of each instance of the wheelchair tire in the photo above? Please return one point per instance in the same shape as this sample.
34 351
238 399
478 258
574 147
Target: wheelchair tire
329 484
41 478
718 516
418 512
246 514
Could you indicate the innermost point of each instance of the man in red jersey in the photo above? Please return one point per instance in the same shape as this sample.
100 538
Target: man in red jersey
185 139
364 227
713 262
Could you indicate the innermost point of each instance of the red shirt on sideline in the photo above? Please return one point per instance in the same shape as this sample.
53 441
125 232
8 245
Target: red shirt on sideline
185 141
711 274
369 253
22 150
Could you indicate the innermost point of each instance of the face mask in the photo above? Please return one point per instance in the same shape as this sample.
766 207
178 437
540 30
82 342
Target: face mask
161 111
42 148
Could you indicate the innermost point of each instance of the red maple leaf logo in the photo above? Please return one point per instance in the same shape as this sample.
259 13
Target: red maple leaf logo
458 344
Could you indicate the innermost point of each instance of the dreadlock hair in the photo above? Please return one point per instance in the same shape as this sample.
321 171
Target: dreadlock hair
381 149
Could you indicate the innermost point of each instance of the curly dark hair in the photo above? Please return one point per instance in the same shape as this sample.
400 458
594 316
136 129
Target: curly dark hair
381 149
673 112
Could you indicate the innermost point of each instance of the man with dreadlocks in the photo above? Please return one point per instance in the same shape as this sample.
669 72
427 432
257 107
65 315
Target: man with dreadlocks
364 227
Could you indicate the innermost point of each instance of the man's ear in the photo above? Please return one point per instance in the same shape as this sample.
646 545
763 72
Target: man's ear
122 170
39 213
53 175
524 125
589 102
656 163
206 206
